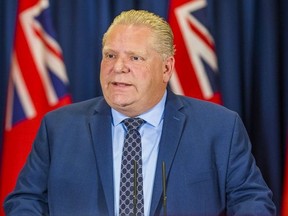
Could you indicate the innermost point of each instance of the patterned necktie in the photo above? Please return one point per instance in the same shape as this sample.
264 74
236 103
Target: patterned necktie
131 188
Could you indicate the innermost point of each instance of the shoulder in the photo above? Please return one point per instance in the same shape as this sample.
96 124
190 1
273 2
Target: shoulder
197 107
79 109
203 115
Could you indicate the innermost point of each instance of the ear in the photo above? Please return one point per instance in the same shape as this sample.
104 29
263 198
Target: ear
168 67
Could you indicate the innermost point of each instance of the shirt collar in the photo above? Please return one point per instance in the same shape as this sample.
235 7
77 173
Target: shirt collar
152 116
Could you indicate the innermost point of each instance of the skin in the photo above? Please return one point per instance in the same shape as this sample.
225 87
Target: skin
133 74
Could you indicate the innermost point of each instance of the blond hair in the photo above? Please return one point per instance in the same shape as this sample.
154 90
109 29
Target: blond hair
163 34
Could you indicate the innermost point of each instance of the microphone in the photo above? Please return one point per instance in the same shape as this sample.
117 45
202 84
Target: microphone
164 188
135 189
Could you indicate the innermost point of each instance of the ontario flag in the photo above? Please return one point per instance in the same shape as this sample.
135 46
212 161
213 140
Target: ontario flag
284 210
196 69
37 84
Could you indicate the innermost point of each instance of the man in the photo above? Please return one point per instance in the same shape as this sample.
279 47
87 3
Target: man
195 156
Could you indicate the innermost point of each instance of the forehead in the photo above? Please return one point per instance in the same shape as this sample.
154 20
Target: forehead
129 34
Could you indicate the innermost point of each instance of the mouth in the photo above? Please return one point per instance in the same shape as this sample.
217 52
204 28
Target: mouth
120 84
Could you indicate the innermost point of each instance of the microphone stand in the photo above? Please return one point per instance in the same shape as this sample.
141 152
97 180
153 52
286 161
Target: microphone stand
164 188
135 189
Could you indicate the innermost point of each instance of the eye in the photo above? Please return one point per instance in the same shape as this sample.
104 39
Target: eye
137 58
109 55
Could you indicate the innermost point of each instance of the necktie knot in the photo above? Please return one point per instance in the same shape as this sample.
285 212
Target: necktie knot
133 123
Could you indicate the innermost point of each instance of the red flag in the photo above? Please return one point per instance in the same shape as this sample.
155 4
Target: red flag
37 84
285 187
196 69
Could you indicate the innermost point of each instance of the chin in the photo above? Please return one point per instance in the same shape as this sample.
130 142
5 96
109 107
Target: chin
121 105
120 100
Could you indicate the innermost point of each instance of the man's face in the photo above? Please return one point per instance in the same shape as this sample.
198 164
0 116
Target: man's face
133 75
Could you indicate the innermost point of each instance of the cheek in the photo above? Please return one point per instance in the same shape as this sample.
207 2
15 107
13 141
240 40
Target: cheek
149 83
104 72
106 66
103 80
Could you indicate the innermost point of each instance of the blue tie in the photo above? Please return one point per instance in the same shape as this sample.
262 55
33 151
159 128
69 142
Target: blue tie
131 181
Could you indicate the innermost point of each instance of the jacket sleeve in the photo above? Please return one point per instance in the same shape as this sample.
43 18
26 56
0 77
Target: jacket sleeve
246 190
30 194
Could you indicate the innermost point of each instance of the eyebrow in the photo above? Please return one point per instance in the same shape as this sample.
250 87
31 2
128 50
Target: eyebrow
141 53
107 50
129 52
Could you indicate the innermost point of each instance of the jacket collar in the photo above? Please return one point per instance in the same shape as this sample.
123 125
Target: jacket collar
100 129
171 133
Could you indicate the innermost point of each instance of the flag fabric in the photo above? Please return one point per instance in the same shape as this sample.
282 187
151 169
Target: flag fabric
196 70
284 45
37 84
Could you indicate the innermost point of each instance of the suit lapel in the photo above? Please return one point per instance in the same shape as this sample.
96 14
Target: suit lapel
172 130
100 128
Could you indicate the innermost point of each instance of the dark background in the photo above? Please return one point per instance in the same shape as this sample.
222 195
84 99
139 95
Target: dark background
251 39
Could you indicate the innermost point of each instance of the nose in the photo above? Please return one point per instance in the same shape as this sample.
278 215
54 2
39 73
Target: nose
120 66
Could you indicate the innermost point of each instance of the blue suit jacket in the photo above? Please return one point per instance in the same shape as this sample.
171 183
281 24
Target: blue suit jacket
209 166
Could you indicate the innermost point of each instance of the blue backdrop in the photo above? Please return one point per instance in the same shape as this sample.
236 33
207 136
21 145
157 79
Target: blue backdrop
251 39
